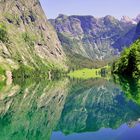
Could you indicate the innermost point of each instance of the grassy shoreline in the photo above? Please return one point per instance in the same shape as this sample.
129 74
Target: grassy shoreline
86 73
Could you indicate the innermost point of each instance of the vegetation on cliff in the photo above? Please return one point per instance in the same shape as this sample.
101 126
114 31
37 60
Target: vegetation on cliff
129 62
3 34
27 40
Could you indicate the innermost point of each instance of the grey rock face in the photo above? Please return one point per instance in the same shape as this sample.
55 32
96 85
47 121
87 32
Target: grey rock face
137 32
137 19
130 37
31 36
94 38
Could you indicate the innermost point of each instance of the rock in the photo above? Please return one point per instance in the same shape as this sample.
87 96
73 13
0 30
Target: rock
28 30
127 19
93 38
9 78
137 19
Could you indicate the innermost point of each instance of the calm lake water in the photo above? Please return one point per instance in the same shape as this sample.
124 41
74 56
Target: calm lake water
94 109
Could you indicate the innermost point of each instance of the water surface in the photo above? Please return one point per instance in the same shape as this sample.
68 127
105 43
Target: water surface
70 109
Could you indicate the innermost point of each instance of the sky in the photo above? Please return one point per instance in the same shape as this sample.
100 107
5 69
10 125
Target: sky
97 8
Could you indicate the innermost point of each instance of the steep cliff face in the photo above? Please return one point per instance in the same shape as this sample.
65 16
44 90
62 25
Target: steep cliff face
129 62
137 32
137 19
26 37
91 37
128 39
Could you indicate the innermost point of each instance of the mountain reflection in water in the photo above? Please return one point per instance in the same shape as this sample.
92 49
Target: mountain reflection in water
70 109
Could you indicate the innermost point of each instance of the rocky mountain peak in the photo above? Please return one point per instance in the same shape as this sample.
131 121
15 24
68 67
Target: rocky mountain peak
109 17
137 32
137 19
127 19
91 37
109 20
62 16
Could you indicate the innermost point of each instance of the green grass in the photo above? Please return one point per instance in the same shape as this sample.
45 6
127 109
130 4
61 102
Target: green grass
2 78
2 72
2 84
3 34
88 73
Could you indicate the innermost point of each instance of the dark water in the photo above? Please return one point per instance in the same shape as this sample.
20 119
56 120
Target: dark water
95 109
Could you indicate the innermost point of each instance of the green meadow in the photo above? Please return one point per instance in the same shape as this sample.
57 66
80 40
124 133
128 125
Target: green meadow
86 73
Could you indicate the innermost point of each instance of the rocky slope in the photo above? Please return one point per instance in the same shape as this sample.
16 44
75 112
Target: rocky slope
26 37
129 38
92 37
137 32
129 62
137 19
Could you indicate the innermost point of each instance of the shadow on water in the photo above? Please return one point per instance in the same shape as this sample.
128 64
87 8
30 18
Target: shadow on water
34 109
130 86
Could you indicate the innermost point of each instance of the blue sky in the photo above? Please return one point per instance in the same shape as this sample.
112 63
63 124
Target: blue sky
97 8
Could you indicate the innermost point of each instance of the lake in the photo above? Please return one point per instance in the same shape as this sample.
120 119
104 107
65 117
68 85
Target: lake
70 109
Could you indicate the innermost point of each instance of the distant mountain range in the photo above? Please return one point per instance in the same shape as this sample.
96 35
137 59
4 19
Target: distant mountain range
130 20
96 38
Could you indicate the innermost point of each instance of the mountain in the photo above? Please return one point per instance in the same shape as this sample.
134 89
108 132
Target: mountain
129 38
26 37
128 20
90 37
137 19
137 32
125 40
129 62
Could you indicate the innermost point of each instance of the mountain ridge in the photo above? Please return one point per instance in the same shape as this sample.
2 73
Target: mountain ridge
93 38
